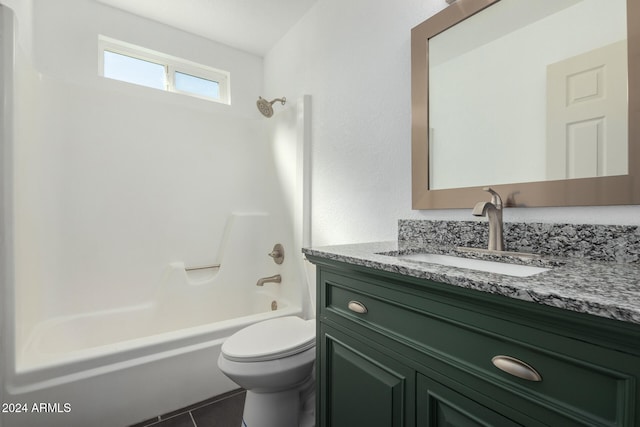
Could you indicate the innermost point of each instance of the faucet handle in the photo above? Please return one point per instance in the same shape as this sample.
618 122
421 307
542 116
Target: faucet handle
277 253
495 197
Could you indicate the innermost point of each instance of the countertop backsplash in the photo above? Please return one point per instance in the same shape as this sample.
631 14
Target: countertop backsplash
612 243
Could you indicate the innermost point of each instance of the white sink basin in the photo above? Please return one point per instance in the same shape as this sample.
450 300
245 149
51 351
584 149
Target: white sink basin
476 264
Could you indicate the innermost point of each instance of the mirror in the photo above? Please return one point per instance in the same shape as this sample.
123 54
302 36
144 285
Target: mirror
495 89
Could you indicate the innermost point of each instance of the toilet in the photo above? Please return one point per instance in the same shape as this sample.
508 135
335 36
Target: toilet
274 361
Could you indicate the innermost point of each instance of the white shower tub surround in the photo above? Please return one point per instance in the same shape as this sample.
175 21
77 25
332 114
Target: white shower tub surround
121 366
118 367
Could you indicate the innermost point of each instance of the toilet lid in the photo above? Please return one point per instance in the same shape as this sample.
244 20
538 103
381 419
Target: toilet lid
270 340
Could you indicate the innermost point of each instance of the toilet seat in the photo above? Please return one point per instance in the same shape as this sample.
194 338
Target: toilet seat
270 340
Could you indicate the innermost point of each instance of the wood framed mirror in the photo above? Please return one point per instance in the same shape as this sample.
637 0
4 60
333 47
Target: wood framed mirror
620 187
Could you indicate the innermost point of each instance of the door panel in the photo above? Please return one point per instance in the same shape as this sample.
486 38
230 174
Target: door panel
439 406
587 127
364 387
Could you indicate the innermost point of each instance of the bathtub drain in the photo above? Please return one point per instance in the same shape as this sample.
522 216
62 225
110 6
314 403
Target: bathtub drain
274 305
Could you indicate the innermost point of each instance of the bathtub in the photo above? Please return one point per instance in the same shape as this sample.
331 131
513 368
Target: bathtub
104 368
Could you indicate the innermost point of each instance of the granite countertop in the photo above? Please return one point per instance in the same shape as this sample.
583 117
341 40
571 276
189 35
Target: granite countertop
601 288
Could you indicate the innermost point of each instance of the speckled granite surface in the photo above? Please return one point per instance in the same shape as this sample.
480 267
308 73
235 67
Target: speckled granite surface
601 278
617 243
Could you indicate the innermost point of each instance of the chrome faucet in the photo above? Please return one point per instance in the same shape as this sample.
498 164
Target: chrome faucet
493 211
271 279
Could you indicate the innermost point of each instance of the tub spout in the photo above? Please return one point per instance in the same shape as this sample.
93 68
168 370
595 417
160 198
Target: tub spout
271 279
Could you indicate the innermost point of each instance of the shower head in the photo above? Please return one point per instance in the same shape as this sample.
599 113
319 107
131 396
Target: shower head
266 107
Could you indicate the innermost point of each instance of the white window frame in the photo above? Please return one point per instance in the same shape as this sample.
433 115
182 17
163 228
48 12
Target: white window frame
171 65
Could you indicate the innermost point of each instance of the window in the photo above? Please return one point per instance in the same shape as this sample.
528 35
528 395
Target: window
134 70
196 85
137 65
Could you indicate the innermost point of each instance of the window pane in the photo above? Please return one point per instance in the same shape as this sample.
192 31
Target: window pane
197 85
133 70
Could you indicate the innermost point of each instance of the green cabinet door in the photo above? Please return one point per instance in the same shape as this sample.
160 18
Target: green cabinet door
361 386
440 406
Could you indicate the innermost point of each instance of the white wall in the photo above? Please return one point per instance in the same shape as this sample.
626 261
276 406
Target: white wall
65 37
354 59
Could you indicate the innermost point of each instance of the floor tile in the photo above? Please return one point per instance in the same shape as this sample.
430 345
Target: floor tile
146 422
183 420
201 403
223 413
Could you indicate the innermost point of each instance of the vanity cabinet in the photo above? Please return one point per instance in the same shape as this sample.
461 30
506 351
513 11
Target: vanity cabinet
400 351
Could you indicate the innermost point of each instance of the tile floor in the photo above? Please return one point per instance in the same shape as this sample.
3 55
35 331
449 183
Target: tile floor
220 411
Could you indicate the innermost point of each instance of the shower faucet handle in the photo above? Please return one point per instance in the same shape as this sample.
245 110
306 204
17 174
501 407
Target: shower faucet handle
277 253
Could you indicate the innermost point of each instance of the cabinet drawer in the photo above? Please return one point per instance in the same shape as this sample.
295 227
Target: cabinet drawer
584 382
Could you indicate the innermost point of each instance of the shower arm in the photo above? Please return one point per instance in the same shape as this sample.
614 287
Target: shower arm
281 100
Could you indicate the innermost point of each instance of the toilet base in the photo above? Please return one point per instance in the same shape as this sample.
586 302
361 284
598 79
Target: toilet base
288 408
